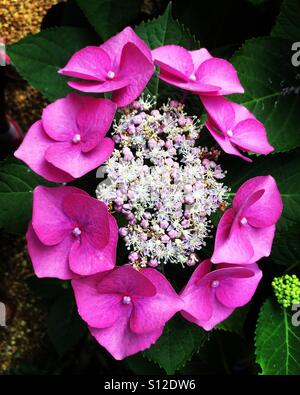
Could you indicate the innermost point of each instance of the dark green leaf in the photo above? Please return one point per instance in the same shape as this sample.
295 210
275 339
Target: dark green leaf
17 182
179 341
277 341
235 322
257 2
288 21
286 247
285 168
163 31
225 353
272 87
109 16
65 327
140 365
38 57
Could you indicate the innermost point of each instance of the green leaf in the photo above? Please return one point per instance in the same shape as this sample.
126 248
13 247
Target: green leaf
225 353
38 57
16 184
271 85
110 16
140 365
285 168
257 2
235 322
163 31
65 327
288 22
277 341
179 341
286 247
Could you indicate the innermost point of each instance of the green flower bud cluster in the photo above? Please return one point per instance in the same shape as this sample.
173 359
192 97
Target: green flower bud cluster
287 289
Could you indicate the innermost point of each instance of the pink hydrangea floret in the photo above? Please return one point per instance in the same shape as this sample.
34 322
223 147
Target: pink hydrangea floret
71 234
246 231
126 309
121 65
69 140
197 71
211 296
235 128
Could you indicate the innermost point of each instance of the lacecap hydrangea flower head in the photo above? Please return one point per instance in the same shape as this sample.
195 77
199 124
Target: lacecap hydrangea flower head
159 181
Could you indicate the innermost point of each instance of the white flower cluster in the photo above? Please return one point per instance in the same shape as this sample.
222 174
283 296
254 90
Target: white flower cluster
163 182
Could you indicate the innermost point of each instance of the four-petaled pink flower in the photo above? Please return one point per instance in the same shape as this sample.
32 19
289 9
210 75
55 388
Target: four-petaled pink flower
234 127
122 65
211 296
196 71
126 309
69 140
245 232
71 234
